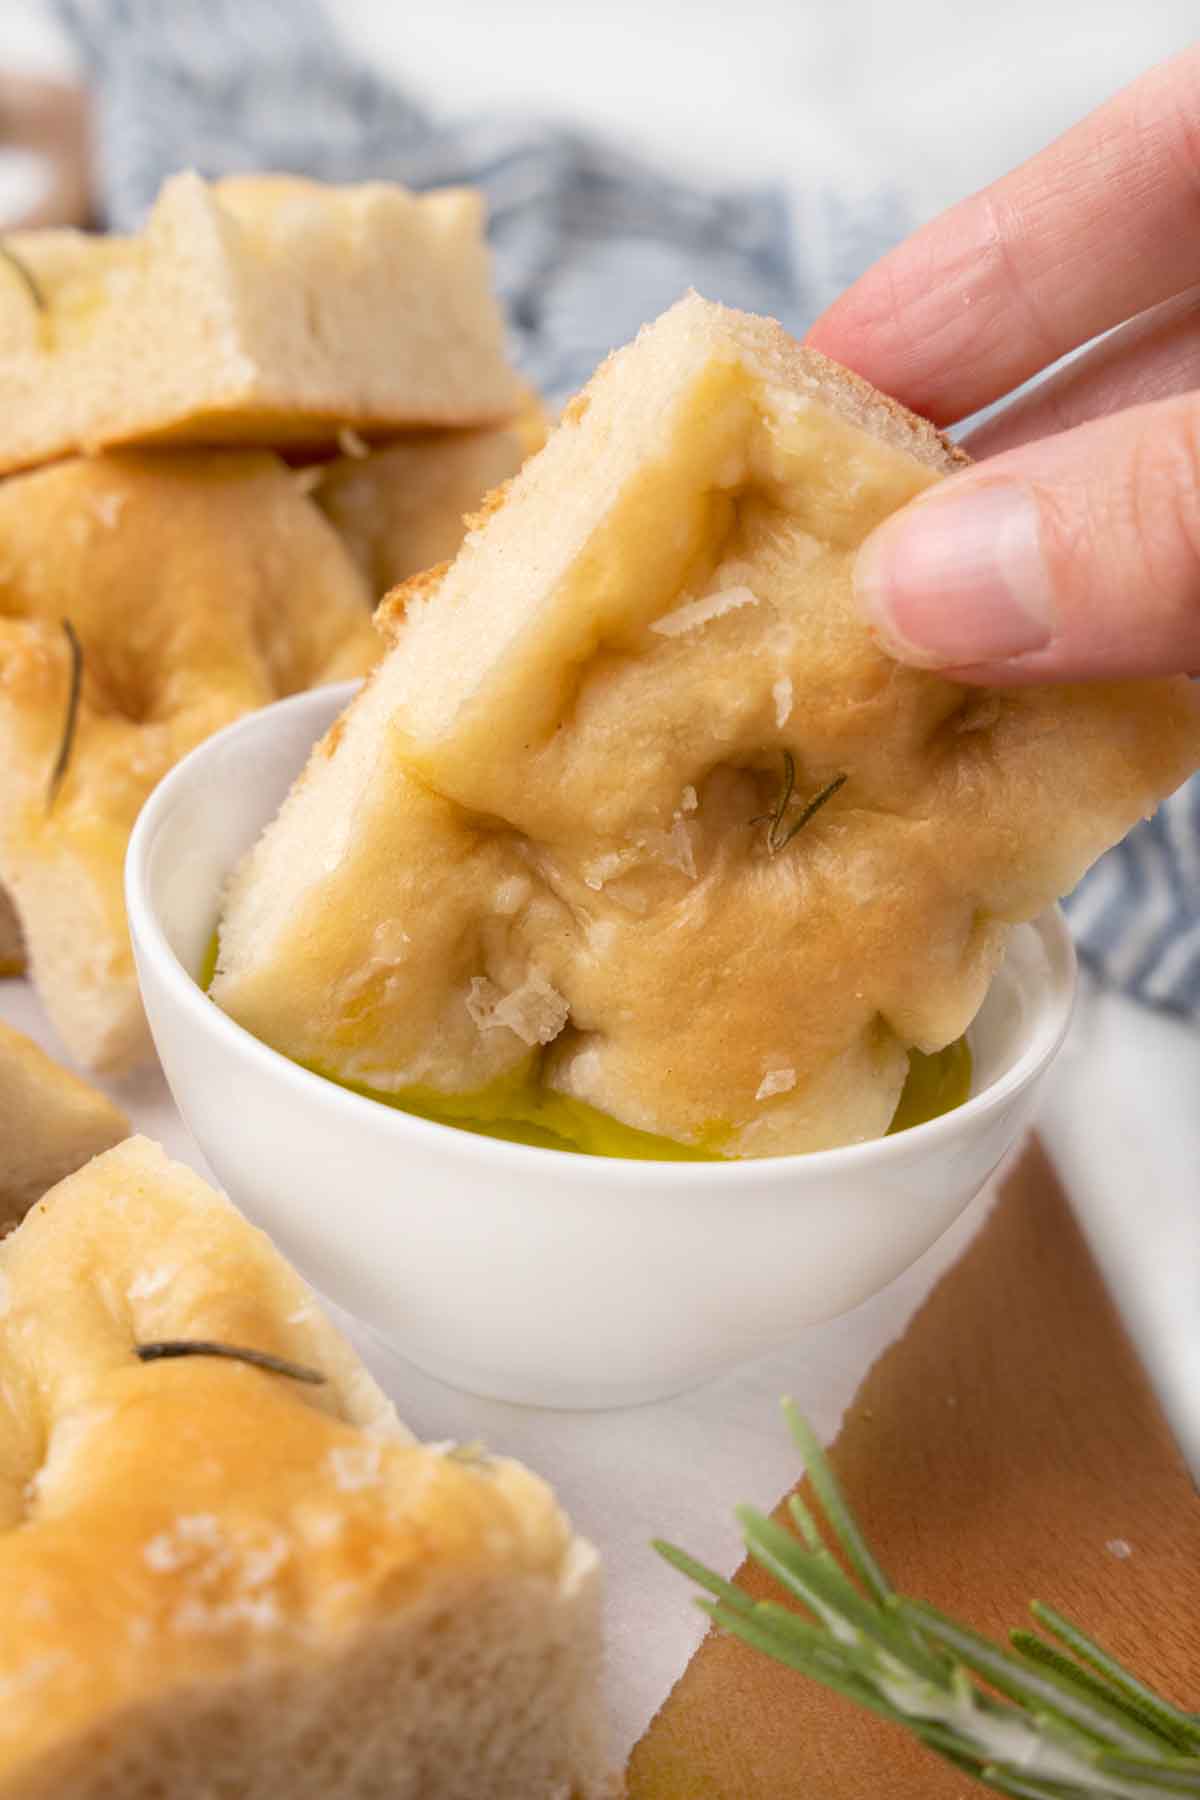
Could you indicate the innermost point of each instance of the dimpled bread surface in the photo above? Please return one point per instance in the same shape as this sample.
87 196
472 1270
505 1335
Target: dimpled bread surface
199 586
554 825
220 1579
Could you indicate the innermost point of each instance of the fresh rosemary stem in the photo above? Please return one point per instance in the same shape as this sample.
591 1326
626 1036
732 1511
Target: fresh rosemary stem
1036 1722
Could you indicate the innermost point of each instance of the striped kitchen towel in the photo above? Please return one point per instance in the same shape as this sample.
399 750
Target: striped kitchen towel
588 243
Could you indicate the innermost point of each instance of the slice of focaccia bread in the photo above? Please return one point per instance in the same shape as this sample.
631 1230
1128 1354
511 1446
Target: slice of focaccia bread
718 863
402 509
222 1578
51 1123
259 310
196 586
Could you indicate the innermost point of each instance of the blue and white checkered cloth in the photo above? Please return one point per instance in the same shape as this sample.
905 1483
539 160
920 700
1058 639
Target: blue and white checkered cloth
588 244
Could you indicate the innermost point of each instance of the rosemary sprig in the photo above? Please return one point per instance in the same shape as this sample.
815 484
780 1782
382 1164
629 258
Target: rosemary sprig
71 719
779 831
21 268
1038 1722
168 1348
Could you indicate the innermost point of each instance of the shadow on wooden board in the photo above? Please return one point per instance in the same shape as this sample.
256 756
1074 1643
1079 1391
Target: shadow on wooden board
1008 1448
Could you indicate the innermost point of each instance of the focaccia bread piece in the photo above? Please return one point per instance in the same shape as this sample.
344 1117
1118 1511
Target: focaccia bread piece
219 1578
261 309
12 944
198 586
718 862
403 508
51 1123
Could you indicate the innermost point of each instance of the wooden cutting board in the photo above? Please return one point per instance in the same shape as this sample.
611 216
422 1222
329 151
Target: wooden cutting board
1007 1448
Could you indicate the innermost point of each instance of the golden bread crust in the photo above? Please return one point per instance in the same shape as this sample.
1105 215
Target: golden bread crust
52 1123
601 728
197 1554
199 586
255 311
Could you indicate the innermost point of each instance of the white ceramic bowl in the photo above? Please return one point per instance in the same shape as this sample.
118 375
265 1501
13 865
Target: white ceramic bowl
539 1275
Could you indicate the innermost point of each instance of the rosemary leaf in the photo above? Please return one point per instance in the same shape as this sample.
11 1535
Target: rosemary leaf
687 1565
1019 1787
1183 1728
1029 1687
804 1522
841 1520
169 1348
779 833
774 819
820 1585
71 718
847 1662
814 806
21 268
1090 1786
948 1744
1169 1775
760 1637
1143 1712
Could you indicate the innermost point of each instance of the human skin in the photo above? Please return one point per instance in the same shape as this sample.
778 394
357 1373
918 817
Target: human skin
1072 550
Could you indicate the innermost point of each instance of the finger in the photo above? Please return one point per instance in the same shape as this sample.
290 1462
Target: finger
1097 227
1072 557
1154 356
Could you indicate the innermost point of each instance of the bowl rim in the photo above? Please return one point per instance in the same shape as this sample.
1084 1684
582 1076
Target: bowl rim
208 1020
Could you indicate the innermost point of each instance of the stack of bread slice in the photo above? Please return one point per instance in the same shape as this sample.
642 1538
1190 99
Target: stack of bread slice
226 1567
164 564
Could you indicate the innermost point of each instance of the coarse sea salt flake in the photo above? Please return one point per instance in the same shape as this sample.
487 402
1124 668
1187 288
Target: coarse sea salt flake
261 1562
174 1548
601 869
694 613
482 996
535 1011
108 508
674 848
354 1466
148 1282
776 1081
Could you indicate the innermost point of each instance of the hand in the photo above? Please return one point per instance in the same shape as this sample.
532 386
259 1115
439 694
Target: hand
49 118
1068 555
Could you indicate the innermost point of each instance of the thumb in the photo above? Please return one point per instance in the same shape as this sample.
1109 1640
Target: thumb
1072 557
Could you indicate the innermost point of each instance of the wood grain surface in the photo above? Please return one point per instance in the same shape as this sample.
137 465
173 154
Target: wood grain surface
1007 1448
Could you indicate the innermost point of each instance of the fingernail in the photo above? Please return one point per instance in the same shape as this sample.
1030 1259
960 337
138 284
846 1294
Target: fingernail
958 579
